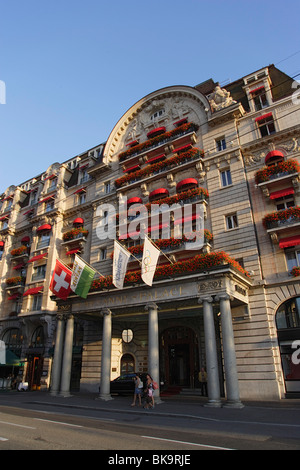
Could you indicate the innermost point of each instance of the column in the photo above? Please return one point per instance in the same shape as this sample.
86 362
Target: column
212 368
67 359
106 355
231 375
153 346
57 359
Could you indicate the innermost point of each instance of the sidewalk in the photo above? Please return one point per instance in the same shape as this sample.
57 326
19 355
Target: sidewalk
287 410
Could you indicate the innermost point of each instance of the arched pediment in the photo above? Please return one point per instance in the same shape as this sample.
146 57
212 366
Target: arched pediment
161 108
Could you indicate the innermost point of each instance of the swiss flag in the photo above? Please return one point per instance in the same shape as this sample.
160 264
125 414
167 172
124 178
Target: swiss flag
61 280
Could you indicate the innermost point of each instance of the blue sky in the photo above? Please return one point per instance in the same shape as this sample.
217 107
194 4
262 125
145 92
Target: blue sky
72 68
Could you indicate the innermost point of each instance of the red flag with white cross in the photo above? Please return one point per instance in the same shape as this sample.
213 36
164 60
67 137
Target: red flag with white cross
61 280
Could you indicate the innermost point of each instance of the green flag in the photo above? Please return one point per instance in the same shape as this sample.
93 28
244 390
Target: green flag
82 277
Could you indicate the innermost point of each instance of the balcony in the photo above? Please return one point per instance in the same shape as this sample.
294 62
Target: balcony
282 170
159 140
159 167
283 219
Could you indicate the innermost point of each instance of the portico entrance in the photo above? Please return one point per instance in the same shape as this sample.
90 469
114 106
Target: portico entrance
180 356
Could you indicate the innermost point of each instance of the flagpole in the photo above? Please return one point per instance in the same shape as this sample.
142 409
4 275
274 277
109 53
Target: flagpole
129 252
151 241
89 265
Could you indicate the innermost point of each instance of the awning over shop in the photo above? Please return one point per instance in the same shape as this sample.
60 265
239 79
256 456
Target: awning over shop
8 358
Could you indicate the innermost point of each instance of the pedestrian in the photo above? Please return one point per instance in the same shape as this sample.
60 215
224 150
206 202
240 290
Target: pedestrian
149 392
202 377
138 387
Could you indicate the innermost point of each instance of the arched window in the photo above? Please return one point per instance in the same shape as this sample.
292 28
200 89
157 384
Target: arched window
13 340
288 314
37 339
288 331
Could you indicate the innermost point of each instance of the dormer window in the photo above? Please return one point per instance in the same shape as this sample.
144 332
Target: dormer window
157 114
259 98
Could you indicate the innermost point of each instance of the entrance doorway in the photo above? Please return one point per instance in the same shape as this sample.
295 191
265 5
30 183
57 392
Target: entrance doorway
180 357
34 372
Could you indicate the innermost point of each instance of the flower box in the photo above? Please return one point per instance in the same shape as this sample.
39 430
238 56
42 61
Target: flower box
19 251
196 264
14 281
75 233
275 219
184 128
157 167
277 171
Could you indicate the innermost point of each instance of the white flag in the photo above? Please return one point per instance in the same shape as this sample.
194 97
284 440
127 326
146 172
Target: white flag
149 262
120 261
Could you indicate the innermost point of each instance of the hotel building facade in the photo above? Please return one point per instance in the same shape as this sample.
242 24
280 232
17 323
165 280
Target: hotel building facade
231 305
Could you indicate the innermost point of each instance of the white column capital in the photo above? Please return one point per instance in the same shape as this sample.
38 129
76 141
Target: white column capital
223 296
105 311
207 298
151 306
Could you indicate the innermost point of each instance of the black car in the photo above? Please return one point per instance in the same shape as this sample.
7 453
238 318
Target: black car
124 384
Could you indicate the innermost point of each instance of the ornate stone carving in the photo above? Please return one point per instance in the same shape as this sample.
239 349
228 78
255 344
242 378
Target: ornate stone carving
220 99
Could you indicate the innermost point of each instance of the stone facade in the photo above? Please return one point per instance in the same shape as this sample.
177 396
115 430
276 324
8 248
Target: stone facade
214 307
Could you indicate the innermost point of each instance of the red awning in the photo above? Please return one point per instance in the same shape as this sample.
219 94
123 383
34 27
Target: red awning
289 241
14 296
264 116
79 220
186 182
33 291
187 219
181 121
25 239
159 191
19 266
132 168
44 227
156 227
47 199
4 217
183 148
132 144
81 190
154 159
274 154
72 252
8 197
134 200
37 257
257 89
1 243
28 212
281 193
156 131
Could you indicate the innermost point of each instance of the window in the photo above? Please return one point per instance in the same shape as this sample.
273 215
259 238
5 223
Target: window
103 254
220 144
225 178
231 221
34 198
127 336
259 98
39 272
37 302
107 187
292 259
284 202
43 240
266 125
157 114
49 206
81 198
37 339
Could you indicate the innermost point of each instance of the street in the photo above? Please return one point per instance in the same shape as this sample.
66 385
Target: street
37 421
